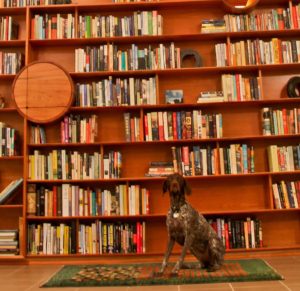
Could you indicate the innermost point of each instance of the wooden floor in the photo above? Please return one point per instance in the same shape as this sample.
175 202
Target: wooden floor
29 278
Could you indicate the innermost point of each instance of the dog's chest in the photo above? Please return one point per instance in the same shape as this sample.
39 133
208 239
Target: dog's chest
176 223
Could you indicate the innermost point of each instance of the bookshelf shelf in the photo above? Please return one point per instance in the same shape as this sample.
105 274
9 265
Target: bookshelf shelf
12 43
220 196
12 158
167 38
11 206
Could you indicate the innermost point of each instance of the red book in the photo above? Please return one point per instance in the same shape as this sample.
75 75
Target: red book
280 18
175 134
284 120
146 127
226 236
186 160
53 27
132 129
54 200
294 16
138 237
238 87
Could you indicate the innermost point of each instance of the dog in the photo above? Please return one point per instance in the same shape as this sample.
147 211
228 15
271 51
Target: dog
189 228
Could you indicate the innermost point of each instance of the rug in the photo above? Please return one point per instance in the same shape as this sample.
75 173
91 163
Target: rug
141 274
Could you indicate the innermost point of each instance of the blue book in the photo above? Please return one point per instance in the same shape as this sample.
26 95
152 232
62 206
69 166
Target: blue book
9 189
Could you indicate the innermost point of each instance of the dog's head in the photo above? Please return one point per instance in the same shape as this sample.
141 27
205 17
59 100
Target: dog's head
177 187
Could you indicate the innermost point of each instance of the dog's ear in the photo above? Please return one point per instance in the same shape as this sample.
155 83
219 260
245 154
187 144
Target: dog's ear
166 185
187 188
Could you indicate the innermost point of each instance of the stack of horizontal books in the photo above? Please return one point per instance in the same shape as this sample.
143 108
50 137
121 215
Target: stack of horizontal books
9 244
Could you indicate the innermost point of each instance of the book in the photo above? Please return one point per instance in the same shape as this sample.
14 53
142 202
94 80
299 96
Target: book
31 199
9 190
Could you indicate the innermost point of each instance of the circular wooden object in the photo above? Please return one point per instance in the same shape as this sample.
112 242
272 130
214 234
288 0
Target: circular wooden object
43 92
233 7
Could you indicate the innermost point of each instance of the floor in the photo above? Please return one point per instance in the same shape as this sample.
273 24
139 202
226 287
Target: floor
28 278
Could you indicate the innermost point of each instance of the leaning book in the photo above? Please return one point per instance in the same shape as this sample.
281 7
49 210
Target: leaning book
10 189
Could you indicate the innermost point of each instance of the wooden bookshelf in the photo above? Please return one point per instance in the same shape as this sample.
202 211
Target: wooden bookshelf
227 196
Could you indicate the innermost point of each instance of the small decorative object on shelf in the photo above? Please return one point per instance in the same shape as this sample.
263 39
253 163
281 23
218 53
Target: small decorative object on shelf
293 87
188 54
244 7
174 96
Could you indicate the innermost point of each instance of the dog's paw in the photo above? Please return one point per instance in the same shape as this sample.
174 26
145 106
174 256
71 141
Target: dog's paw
157 274
174 274
213 268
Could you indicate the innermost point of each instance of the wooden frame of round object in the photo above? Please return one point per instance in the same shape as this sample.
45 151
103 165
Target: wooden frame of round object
43 91
236 9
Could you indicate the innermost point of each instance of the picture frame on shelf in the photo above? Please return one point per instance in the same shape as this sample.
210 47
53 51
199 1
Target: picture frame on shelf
174 96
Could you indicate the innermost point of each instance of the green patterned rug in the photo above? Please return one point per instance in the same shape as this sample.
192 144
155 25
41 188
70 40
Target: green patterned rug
141 274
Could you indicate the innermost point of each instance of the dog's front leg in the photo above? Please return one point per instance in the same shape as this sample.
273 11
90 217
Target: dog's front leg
164 264
179 263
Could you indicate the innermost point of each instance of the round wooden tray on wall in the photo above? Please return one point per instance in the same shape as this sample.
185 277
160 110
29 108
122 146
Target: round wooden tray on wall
43 92
239 7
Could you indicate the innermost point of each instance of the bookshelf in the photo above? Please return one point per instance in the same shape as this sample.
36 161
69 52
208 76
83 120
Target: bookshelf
234 196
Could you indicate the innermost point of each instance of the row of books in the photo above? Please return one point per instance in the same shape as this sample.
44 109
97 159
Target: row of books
168 125
196 160
283 158
37 134
63 164
132 127
273 19
9 29
135 58
239 233
256 52
237 159
112 165
140 23
9 242
280 121
111 238
116 92
11 63
286 194
9 190
239 88
23 3
8 140
51 239
57 26
72 200
79 129
91 59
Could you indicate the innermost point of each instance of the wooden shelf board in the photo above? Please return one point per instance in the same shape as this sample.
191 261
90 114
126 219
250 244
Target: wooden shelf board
7 76
13 11
11 257
11 206
165 38
12 43
176 253
8 110
112 217
159 215
11 158
179 141
182 71
256 103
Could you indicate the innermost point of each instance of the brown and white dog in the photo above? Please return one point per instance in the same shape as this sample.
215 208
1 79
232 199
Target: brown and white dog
189 228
